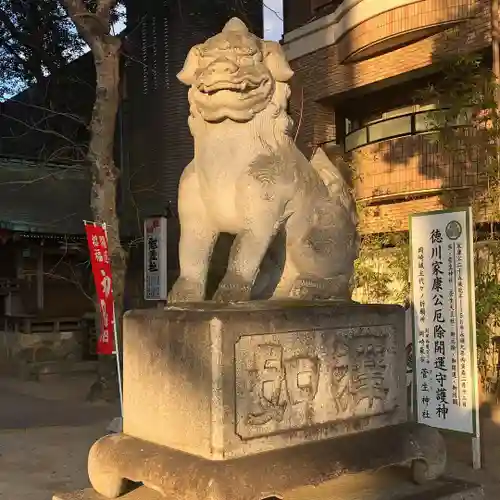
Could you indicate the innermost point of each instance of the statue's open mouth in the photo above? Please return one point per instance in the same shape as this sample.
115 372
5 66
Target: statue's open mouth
244 85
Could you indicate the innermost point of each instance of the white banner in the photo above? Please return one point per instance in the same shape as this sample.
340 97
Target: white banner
444 332
155 258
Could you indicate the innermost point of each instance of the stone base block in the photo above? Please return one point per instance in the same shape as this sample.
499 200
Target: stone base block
117 461
226 381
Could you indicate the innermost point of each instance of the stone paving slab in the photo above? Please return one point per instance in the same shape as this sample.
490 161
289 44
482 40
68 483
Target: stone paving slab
28 405
89 494
38 462
388 484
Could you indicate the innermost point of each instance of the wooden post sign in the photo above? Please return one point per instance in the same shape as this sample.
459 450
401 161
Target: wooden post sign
155 258
444 322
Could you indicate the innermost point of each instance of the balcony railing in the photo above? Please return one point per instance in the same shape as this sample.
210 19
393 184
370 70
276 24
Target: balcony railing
397 158
390 128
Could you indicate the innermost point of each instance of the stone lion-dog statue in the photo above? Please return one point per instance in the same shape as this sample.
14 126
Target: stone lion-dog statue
294 221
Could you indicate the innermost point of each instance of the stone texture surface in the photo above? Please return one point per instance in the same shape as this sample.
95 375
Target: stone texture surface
305 379
54 402
387 484
36 462
41 346
116 460
90 494
223 381
294 220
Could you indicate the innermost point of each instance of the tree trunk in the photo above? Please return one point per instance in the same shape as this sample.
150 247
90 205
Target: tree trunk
104 189
94 27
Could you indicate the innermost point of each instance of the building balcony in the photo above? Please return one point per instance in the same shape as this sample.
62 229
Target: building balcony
400 167
400 157
390 127
363 29
365 47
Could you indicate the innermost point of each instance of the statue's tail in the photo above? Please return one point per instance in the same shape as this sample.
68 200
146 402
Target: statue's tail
335 180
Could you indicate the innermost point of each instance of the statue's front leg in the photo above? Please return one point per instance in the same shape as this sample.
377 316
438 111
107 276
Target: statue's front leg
195 248
249 248
197 240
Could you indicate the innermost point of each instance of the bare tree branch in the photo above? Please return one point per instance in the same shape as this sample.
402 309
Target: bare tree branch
42 130
53 112
275 12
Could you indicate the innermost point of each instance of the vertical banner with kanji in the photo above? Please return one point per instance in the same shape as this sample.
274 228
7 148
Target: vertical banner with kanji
101 269
155 258
444 320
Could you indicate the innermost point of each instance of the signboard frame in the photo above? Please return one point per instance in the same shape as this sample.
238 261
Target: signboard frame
468 257
161 253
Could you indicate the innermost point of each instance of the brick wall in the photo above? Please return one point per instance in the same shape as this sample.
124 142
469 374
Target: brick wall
393 216
410 164
325 82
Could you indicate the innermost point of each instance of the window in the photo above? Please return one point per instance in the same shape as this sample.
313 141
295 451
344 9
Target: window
392 127
356 139
399 111
396 112
395 122
351 125
426 121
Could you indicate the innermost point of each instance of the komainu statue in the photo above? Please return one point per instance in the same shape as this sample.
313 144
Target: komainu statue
294 221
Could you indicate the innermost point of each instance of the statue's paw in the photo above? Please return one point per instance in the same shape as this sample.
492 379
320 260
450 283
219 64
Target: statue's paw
185 290
231 295
320 289
232 289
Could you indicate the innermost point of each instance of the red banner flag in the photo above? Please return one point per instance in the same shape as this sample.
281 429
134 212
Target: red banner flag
101 268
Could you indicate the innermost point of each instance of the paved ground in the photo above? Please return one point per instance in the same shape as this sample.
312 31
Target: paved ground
460 459
52 403
47 429
46 432
36 463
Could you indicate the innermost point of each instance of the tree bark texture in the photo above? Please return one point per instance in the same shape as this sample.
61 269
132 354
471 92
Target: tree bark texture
105 180
95 29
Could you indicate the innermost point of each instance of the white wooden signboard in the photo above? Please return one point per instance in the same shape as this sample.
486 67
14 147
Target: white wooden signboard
155 258
444 333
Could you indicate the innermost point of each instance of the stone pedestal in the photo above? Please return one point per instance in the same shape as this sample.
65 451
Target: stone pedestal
223 382
319 387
